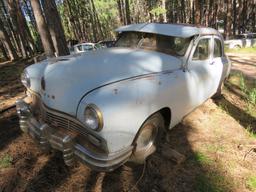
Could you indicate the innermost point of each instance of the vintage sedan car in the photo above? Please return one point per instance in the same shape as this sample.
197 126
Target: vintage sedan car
242 40
111 106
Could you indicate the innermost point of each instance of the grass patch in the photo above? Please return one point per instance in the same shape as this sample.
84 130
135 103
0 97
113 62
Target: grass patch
250 132
215 148
251 182
212 182
241 50
252 96
201 158
248 89
6 161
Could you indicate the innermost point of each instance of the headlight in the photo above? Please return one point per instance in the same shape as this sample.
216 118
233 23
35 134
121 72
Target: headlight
93 117
25 79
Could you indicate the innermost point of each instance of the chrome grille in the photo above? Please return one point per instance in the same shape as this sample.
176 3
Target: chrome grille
62 122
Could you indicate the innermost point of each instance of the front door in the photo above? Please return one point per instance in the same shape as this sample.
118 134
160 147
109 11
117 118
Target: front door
204 70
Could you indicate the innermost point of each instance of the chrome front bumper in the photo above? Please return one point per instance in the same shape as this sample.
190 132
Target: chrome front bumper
48 138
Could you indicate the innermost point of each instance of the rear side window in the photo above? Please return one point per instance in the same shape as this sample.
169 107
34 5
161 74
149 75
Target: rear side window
217 48
202 50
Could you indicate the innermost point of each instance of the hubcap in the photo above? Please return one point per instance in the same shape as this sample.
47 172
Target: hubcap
147 137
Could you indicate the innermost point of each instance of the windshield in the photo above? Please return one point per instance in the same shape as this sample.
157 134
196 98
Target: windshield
166 44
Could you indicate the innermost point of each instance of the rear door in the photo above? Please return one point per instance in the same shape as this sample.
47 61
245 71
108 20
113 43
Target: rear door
219 60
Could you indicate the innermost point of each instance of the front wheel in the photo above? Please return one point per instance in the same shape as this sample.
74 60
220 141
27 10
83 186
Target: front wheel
148 138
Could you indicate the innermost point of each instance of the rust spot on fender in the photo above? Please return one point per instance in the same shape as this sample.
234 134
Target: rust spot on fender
115 91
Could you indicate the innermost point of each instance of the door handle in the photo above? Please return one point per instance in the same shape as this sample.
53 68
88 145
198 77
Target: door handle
212 62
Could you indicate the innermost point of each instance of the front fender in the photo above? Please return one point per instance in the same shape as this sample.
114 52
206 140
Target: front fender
125 106
35 72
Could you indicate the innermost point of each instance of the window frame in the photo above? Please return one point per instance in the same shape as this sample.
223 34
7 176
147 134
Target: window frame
222 47
196 44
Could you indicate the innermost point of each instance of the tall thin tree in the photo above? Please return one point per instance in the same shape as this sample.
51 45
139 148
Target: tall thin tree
4 37
55 27
42 28
228 19
197 12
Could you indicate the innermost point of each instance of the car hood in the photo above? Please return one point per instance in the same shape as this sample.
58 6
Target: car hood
68 79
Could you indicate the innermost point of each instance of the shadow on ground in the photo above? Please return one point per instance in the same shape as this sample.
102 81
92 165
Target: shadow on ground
245 119
53 174
159 173
8 128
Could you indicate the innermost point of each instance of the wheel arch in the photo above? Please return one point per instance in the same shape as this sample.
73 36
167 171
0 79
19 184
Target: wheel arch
166 114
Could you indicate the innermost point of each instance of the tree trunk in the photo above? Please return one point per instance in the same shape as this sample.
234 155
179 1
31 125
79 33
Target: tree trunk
14 17
28 42
42 28
244 16
197 12
10 26
163 18
253 17
37 44
4 51
120 11
123 11
228 19
211 13
97 21
7 42
55 27
127 10
215 16
234 17
240 18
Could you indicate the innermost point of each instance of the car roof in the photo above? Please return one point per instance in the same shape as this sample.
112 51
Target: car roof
177 30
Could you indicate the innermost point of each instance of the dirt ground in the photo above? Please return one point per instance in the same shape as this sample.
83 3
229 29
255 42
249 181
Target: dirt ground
216 140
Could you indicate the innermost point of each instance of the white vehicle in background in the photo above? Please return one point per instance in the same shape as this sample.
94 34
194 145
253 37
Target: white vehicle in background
242 40
84 47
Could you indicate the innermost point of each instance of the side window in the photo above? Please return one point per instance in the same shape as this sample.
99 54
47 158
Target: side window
202 50
79 47
217 48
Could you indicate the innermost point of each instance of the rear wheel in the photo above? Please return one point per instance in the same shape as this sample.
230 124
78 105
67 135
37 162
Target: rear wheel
148 138
218 94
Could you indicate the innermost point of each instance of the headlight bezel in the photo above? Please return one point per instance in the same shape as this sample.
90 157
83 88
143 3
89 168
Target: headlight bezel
25 79
97 115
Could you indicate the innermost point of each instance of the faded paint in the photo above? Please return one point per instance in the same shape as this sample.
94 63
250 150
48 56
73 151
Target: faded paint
128 85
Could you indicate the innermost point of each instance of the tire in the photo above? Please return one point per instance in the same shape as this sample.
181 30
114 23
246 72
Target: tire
148 138
218 94
237 47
